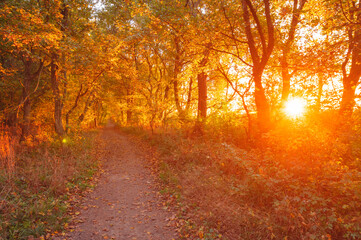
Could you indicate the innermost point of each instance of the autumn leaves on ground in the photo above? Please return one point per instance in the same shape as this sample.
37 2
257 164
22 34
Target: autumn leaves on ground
126 204
188 119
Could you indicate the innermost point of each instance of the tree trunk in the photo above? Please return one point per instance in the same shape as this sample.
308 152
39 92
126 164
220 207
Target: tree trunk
348 97
180 110
351 81
202 97
129 117
26 110
129 107
176 70
350 84
88 104
26 99
67 116
259 61
202 88
202 104
58 105
54 71
263 108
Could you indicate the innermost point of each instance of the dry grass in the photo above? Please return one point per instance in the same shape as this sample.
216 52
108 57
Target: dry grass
37 179
7 152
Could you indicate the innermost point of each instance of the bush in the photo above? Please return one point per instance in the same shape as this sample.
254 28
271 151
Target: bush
301 181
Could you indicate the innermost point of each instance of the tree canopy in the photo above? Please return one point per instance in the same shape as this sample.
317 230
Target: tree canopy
155 63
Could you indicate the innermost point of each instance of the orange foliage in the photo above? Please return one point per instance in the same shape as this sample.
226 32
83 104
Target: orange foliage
7 153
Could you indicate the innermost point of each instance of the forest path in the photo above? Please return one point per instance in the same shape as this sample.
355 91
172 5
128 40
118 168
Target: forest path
126 203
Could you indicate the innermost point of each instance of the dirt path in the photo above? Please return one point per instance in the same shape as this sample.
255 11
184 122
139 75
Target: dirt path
125 204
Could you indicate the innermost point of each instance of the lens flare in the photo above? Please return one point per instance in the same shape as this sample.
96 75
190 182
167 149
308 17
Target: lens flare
295 107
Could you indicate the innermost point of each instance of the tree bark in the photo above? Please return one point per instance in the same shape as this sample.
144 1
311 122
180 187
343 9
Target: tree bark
29 79
348 97
26 109
67 116
129 107
202 94
58 105
88 104
351 80
26 101
259 61
54 69
202 104
263 108
202 97
202 87
176 71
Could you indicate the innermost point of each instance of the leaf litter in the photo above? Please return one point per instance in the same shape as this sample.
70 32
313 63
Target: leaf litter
126 203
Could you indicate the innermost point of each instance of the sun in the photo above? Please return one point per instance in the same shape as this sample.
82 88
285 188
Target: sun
295 107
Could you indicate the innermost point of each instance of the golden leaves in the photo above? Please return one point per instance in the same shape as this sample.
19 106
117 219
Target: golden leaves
25 29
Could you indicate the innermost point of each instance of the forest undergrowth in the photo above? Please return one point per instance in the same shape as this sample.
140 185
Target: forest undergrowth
300 181
40 183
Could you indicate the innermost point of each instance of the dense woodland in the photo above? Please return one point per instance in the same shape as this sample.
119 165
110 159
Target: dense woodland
220 73
68 64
